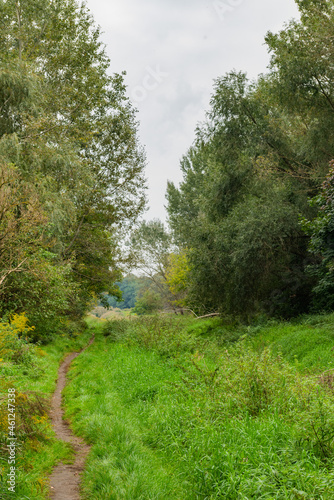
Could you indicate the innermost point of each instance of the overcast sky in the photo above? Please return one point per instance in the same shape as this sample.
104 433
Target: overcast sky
172 50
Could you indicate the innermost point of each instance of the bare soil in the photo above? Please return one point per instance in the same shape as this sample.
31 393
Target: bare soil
65 478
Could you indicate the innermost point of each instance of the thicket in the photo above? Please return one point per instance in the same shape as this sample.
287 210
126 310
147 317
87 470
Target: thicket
254 212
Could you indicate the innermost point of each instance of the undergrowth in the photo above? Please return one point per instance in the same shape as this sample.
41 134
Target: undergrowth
184 409
179 408
30 373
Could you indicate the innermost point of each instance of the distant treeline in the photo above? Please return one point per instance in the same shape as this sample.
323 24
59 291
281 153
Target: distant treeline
131 287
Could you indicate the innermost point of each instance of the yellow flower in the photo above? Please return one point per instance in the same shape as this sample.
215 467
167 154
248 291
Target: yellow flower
19 323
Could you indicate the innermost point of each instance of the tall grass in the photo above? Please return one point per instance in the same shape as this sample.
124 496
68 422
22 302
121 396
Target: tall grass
194 410
33 373
308 341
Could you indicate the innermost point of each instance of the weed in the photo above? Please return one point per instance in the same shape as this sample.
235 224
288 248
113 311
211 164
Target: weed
115 330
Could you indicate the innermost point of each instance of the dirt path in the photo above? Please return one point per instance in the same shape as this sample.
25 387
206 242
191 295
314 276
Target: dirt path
65 478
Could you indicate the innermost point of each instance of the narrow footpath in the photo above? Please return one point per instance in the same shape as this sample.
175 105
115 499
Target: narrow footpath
65 478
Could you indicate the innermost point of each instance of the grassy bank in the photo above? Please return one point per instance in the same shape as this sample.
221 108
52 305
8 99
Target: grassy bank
198 410
308 341
32 371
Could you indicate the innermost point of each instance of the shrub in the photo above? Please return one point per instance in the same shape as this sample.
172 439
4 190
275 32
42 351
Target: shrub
14 342
150 302
165 335
46 294
31 415
115 330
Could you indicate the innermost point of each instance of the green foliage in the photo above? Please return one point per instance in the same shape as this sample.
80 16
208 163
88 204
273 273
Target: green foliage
246 181
162 335
307 341
321 231
177 277
150 247
115 330
149 302
14 341
229 246
302 78
71 167
130 288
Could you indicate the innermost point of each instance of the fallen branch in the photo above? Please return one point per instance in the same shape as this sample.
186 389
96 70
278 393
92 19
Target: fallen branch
208 315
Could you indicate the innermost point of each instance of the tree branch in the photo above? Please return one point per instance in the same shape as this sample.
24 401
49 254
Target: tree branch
10 271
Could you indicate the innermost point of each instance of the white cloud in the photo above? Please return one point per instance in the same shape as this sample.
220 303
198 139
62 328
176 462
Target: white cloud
189 41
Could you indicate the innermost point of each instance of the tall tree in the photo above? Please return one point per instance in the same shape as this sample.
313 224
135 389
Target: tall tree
264 149
75 134
151 248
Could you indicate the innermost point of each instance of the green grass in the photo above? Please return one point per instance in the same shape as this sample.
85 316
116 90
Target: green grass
177 408
309 341
38 450
107 407
185 411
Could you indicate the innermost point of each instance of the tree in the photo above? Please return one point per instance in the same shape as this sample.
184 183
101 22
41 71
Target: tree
301 80
321 232
247 179
75 137
148 303
130 288
152 248
21 223
150 245
177 277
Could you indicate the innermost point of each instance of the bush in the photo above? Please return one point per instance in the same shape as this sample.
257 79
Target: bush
115 330
150 302
31 415
14 341
46 294
321 231
164 335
